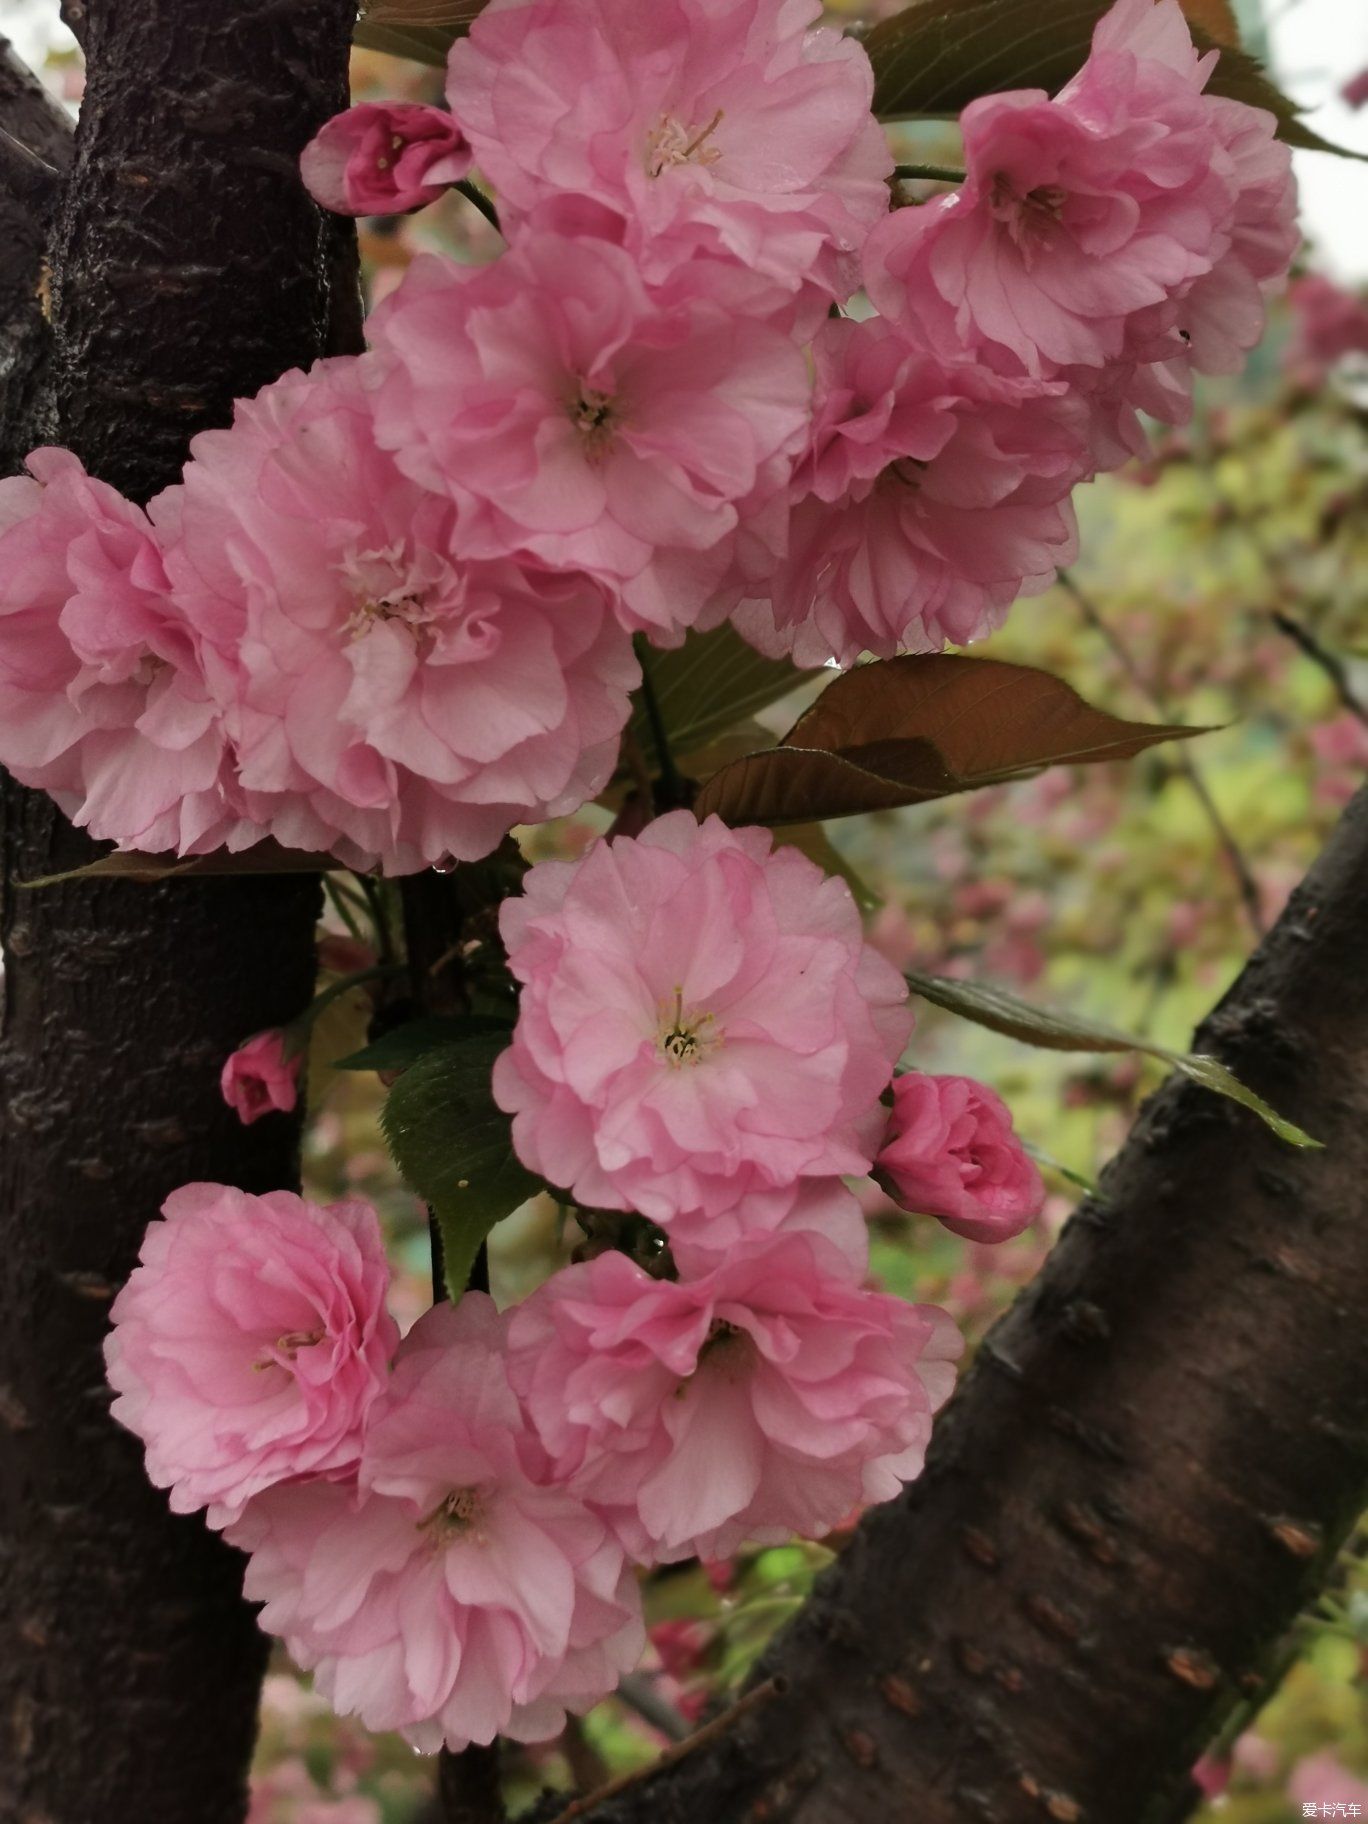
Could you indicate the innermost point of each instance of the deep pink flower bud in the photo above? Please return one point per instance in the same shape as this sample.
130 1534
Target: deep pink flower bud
951 1153
260 1077
384 158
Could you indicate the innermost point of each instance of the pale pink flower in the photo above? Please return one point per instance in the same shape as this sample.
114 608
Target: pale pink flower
456 1592
384 158
714 127
930 498
249 1344
700 1017
1330 323
1128 230
951 1152
260 1077
1076 212
1222 315
770 1397
102 700
577 415
700 1238
1323 1779
391 700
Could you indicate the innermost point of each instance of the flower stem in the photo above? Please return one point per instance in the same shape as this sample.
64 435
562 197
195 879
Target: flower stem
945 174
474 195
672 793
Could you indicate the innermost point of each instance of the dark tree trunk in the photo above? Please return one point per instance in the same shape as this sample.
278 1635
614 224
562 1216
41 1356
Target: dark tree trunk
188 267
35 151
1149 1467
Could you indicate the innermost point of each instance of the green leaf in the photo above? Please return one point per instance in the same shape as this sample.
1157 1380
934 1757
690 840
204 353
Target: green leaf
262 858
937 56
404 1045
926 726
988 1005
423 30
707 685
455 1148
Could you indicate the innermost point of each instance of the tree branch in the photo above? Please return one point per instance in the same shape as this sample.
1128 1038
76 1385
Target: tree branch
1151 1464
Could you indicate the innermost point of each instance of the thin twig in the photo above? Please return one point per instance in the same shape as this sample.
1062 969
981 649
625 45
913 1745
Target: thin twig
671 794
1330 663
1179 758
636 1690
578 1808
641 773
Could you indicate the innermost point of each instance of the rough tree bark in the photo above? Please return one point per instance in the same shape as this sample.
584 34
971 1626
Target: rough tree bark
188 266
35 151
1150 1465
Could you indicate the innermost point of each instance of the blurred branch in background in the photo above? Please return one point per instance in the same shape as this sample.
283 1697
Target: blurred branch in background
1179 758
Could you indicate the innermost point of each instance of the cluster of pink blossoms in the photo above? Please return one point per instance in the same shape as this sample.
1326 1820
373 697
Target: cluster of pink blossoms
388 613
445 1529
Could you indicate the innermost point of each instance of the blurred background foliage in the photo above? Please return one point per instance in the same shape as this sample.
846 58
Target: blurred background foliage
1225 582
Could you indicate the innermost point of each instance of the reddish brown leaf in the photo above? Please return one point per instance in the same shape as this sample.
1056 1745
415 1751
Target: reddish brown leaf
262 858
908 730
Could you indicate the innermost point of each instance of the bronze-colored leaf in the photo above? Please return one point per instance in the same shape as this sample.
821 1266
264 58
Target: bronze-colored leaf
908 730
423 30
262 858
937 56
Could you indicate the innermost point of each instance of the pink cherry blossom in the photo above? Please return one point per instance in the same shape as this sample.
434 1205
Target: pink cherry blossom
1117 237
577 415
1222 315
456 1592
700 1017
699 1239
261 1076
249 1344
714 127
384 158
1323 1779
102 701
951 1153
1330 323
930 498
390 701
769 1397
1076 213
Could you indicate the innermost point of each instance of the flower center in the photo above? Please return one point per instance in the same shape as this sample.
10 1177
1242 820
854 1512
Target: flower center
456 1514
289 1345
686 1037
1029 218
387 586
727 1350
396 146
592 414
670 143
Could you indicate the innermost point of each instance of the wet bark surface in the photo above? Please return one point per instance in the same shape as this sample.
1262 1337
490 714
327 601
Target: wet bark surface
188 267
1148 1469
